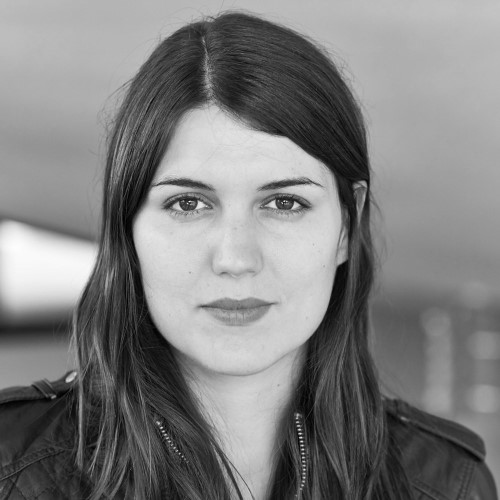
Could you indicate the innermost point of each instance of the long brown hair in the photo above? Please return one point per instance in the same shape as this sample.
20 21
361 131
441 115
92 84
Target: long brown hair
279 82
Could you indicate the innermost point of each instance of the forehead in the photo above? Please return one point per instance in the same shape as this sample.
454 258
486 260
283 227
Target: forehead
209 142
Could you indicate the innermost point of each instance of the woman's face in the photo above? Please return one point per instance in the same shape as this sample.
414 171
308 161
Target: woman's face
237 215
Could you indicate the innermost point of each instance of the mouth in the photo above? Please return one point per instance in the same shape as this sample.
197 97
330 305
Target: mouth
237 312
236 305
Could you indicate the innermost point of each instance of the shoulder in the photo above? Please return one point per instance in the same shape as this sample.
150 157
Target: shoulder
443 459
36 440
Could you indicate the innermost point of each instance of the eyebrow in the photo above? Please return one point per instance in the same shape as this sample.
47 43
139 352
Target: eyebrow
193 184
184 182
296 181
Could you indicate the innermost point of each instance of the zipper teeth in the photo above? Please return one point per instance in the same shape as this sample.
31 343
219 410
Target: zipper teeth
301 436
168 440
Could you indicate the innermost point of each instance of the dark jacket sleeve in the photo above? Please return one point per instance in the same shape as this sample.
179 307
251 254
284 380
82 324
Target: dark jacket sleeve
442 459
36 443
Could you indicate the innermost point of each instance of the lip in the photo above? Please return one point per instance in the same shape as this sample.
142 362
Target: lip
234 305
237 312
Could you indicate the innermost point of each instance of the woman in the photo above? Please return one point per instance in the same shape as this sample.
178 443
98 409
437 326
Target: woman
222 339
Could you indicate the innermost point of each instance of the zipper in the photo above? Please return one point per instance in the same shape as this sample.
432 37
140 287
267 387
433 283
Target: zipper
168 440
301 437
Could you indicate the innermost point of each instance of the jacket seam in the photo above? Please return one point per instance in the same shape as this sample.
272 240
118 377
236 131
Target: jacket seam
428 490
38 456
54 486
465 483
24 397
474 445
14 486
450 437
6 488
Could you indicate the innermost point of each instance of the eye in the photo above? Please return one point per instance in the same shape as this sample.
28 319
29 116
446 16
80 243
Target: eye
287 205
186 205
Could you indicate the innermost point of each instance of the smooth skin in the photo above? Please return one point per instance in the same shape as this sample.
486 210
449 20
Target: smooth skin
237 236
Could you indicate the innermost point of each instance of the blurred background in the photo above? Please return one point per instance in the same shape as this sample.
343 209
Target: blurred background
428 75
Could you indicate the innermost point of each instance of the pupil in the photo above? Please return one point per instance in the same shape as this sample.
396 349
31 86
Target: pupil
188 204
284 203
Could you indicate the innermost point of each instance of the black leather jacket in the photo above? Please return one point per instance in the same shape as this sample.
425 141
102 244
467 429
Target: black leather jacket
443 460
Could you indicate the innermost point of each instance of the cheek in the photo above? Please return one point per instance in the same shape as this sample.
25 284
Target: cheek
168 270
308 274
311 258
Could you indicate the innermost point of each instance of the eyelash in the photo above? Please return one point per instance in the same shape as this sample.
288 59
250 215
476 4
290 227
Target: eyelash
304 206
179 213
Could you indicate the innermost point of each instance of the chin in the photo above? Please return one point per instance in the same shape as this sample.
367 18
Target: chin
239 368
251 364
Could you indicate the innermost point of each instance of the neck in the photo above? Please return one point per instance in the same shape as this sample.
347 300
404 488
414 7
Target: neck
246 412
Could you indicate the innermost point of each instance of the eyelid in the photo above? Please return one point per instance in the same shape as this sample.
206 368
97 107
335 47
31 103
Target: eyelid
304 205
293 197
167 205
181 196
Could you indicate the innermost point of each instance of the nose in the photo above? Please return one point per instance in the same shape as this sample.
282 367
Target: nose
236 250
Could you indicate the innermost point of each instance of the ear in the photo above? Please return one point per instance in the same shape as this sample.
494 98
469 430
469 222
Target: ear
359 190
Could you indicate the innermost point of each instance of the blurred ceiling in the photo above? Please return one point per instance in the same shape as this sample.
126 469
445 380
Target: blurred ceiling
427 72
